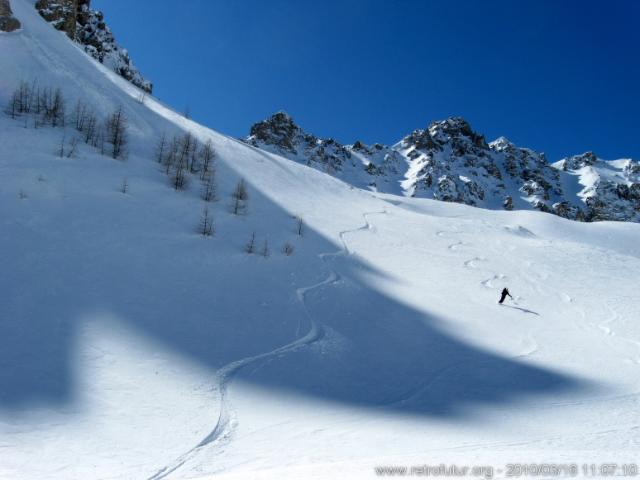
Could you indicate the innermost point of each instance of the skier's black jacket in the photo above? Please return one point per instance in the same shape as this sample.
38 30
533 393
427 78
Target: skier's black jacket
504 294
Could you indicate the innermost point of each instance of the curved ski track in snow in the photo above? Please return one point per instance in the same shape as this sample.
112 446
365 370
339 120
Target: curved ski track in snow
530 344
224 424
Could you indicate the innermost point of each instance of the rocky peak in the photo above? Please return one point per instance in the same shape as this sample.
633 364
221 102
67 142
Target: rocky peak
358 146
502 144
87 27
280 134
8 23
366 166
575 162
455 132
278 130
455 129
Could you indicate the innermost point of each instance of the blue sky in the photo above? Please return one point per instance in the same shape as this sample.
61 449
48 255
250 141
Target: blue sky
558 76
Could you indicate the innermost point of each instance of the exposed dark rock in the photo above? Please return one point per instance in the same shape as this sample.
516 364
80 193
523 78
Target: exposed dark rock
507 204
8 23
579 161
61 14
278 130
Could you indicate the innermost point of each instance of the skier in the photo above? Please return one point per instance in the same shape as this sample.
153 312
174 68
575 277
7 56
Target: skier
504 294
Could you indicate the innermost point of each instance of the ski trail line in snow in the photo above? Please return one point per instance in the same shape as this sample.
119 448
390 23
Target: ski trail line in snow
605 327
531 349
224 424
456 246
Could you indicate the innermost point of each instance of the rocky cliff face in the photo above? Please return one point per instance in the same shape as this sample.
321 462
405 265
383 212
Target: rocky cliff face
451 162
8 23
281 135
609 190
87 27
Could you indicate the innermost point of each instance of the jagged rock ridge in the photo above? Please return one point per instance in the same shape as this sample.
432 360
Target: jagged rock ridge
376 166
451 162
87 27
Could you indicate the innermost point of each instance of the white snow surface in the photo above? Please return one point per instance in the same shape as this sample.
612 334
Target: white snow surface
131 347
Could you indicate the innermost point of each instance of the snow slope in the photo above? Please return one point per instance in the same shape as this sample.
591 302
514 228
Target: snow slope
133 347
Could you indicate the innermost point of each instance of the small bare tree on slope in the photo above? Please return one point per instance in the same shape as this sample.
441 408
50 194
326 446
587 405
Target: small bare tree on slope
240 198
116 132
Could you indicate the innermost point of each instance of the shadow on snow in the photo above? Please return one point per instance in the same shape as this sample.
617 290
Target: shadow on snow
374 352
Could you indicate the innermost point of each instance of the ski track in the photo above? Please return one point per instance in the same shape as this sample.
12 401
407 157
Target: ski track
605 328
226 421
472 263
544 440
531 348
487 283
530 343
566 298
456 246
445 233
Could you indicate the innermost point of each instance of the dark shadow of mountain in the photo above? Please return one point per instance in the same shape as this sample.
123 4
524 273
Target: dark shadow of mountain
374 352
378 353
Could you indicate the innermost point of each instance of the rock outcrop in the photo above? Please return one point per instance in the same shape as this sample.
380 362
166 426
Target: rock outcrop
375 167
280 134
88 28
8 23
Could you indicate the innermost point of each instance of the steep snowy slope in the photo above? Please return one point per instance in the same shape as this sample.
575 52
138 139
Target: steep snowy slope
449 161
132 346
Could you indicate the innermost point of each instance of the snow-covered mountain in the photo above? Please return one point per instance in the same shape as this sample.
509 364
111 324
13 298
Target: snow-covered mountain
609 189
151 329
449 161
88 28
